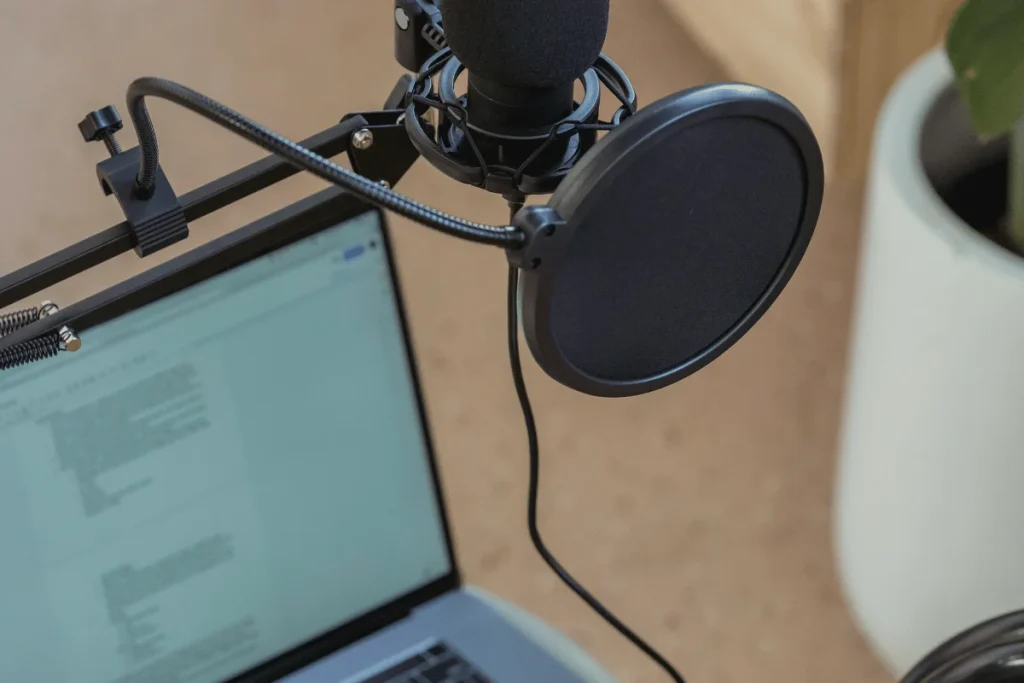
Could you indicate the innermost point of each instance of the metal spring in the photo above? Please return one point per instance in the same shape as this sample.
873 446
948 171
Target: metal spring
991 652
31 351
10 322
46 346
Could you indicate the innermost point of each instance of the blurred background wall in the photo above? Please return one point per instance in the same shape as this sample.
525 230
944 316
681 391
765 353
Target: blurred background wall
836 59
701 514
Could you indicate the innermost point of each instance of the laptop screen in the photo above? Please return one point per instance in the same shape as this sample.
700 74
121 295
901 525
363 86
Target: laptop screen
217 477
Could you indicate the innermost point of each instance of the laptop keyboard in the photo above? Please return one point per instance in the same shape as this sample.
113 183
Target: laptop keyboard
437 663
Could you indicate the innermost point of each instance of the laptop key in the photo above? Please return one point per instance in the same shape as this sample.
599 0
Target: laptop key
438 673
395 673
436 664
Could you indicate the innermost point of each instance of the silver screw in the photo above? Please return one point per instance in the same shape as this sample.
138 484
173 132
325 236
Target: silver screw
69 341
401 18
384 184
362 139
47 308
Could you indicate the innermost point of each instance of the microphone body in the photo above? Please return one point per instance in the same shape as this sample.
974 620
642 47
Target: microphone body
526 43
523 58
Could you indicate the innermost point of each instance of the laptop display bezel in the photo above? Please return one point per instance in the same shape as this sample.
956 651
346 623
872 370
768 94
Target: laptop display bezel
289 225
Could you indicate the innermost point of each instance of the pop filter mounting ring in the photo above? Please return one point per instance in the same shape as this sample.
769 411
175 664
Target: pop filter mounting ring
156 220
547 237
452 148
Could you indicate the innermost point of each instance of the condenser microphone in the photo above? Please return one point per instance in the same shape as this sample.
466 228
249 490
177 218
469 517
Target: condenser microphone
663 243
523 57
526 43
516 115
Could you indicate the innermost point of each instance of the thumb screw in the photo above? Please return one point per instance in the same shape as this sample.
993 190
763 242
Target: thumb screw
112 145
102 124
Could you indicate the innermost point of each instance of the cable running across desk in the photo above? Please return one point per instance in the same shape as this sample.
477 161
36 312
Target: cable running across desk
534 446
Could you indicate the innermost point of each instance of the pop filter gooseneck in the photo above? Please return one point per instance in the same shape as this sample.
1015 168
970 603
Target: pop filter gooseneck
297 154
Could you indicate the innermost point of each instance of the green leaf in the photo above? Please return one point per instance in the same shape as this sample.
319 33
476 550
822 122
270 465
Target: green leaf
985 44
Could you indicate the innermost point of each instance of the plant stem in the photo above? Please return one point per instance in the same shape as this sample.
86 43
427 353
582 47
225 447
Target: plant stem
1016 180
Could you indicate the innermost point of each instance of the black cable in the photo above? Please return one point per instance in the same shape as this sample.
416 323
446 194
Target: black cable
534 445
502 236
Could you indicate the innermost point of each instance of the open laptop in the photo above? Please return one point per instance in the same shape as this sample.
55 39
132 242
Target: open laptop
233 480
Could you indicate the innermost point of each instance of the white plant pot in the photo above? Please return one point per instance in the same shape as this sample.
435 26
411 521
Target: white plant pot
930 490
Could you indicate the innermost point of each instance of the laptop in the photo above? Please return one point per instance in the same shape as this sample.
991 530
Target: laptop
233 480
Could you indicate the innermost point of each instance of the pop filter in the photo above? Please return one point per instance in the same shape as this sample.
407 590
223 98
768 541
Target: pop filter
681 228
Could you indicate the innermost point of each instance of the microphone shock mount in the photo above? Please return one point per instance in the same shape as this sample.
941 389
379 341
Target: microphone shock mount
525 141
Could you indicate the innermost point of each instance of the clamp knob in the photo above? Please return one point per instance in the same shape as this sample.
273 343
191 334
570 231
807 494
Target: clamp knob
102 124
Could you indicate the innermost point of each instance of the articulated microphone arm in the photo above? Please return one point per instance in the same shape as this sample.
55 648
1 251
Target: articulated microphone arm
382 146
376 143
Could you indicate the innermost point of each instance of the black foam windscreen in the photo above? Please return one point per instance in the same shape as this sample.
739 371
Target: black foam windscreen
526 43
685 225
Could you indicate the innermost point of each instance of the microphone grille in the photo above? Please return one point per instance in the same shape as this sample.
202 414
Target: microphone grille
526 43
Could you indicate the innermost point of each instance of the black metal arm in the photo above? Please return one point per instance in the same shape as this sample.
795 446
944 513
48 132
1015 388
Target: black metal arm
376 143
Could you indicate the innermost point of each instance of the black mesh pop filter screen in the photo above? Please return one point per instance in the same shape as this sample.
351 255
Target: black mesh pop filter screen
686 223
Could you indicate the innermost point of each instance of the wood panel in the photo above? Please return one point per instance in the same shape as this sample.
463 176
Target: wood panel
790 46
835 59
882 38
